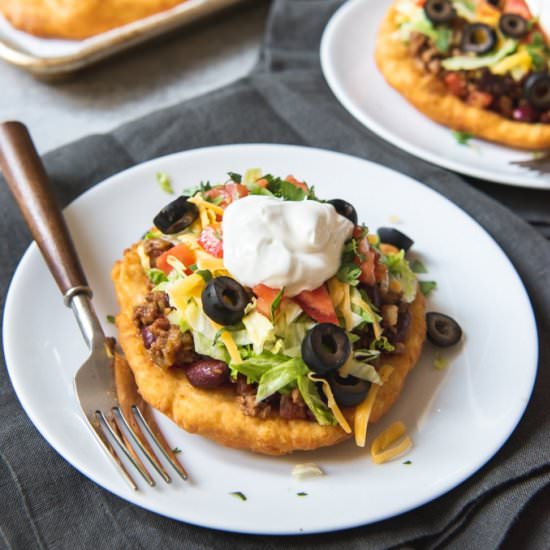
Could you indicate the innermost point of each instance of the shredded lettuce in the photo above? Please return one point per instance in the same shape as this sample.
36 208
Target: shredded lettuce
363 370
280 376
309 393
256 366
470 63
259 330
400 270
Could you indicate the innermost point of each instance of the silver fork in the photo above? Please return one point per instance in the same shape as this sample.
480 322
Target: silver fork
112 423
540 163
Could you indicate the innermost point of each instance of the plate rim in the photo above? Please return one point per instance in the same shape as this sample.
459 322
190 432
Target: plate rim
443 162
220 525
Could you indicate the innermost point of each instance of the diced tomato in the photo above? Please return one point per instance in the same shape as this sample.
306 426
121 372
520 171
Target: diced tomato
229 193
479 99
318 305
302 185
262 182
518 7
211 241
367 262
456 84
265 297
181 252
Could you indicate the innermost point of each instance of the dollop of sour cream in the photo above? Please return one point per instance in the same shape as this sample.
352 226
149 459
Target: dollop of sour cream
292 244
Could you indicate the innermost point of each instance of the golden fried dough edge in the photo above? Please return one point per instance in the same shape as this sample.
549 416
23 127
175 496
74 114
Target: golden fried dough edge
431 97
78 20
216 414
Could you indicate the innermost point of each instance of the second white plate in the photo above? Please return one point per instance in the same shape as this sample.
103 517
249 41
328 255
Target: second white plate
347 59
458 417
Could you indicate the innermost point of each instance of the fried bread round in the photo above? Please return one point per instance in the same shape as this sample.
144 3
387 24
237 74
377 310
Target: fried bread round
215 413
431 97
78 20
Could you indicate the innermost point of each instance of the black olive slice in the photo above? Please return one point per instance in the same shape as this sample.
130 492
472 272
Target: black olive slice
349 391
390 235
439 11
224 300
176 216
345 209
537 91
443 330
513 25
325 348
478 38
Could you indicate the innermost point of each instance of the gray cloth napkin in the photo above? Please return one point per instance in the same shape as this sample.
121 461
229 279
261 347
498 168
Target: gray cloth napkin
45 503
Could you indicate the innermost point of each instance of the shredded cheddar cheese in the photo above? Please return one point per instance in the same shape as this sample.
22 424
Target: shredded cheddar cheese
331 402
382 450
363 411
359 302
340 295
229 344
183 289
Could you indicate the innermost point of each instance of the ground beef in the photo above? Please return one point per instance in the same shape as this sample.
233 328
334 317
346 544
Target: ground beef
153 248
155 305
293 407
478 88
242 387
171 347
249 407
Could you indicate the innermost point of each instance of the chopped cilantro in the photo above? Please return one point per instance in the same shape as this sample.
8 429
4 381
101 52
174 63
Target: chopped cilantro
193 267
156 276
237 178
440 362
462 138
426 287
176 450
301 494
201 188
286 190
382 344
164 183
218 335
349 273
418 267
238 494
277 302
407 462
205 274
538 51
153 234
111 319
443 39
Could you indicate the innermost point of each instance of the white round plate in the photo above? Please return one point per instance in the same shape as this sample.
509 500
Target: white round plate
347 60
458 417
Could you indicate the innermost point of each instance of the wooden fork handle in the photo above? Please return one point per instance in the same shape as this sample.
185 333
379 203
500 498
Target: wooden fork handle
28 182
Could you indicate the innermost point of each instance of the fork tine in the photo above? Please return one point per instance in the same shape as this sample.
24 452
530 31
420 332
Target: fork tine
140 468
110 452
138 440
163 448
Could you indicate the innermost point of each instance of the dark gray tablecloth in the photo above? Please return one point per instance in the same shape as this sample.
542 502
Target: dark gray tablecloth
45 503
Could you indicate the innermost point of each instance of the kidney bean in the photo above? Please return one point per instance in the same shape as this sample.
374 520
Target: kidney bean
207 373
148 337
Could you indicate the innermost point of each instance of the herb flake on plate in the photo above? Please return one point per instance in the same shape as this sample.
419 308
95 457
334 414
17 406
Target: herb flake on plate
239 495
462 138
164 182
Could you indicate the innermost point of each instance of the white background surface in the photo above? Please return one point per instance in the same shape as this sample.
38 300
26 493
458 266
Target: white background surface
458 417
187 63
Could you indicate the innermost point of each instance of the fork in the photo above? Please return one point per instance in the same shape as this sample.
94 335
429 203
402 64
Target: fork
113 424
540 163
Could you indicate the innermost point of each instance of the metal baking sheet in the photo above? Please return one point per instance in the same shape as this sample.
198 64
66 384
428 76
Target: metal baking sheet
52 57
